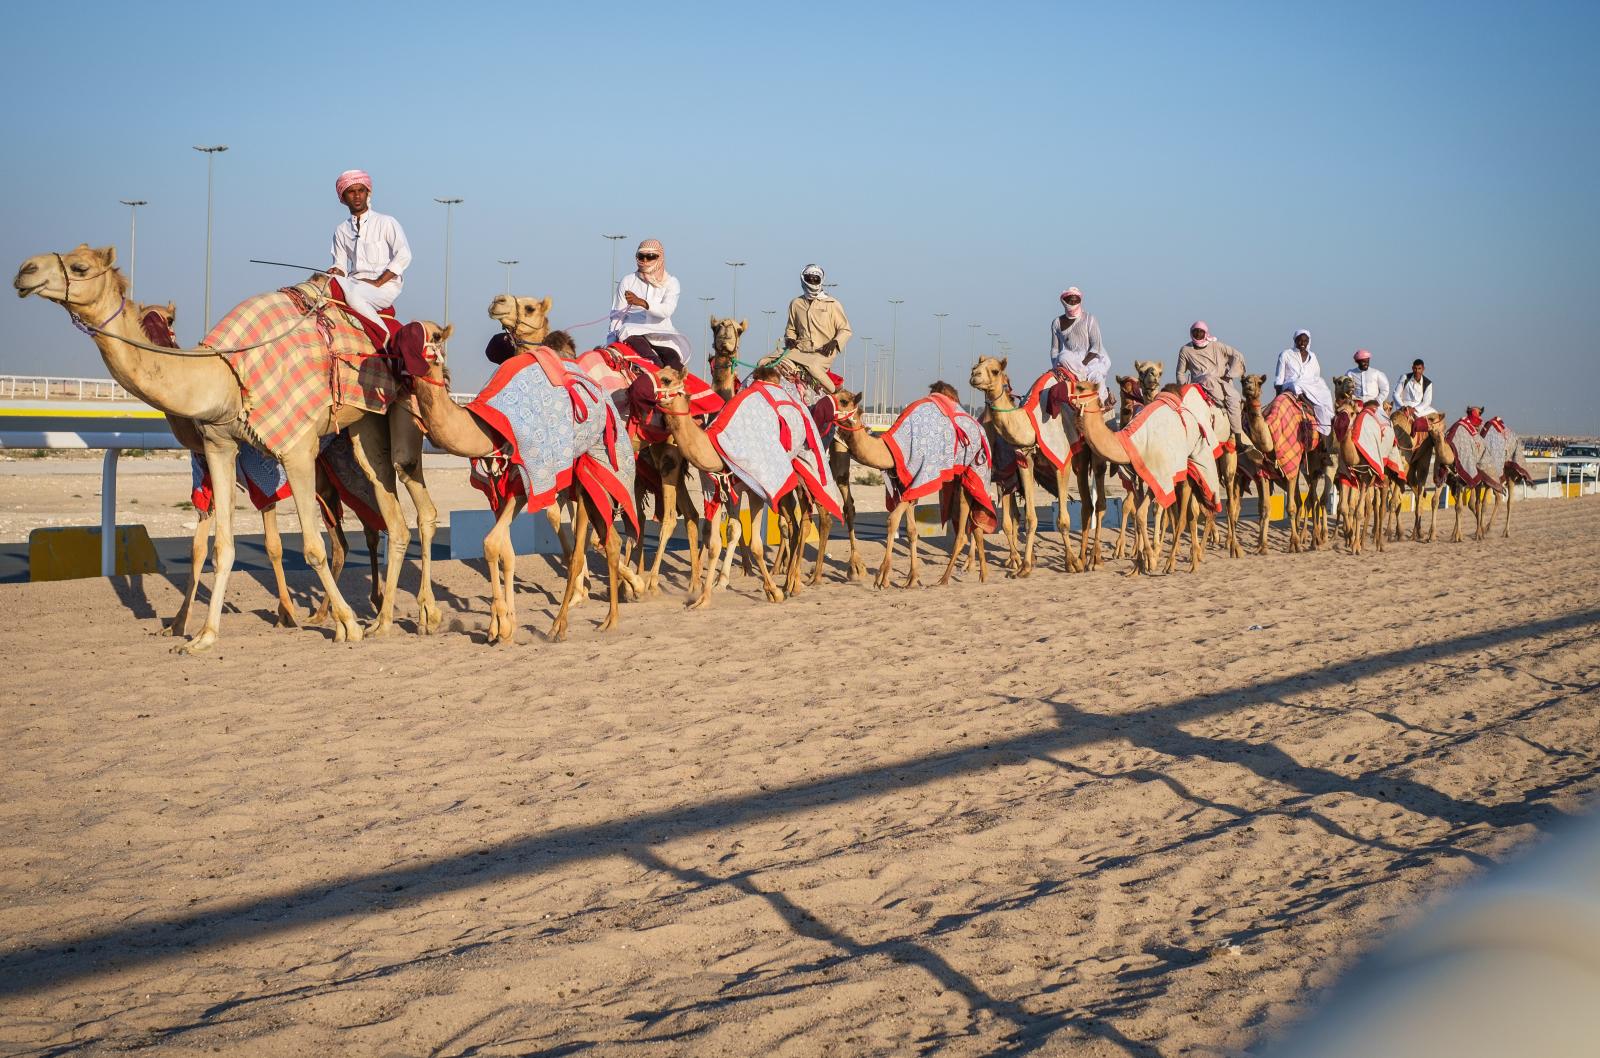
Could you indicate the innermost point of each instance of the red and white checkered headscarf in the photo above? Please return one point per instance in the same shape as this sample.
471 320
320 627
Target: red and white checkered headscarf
350 178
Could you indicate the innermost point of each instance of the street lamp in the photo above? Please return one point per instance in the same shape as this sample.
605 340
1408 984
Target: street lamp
940 317
894 344
449 205
509 265
973 329
211 154
769 313
612 293
733 306
133 205
866 357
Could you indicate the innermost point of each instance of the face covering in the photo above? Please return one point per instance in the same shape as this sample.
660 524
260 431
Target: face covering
811 282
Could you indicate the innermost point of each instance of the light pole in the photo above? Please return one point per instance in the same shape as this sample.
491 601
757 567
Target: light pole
733 306
509 265
864 343
940 317
449 205
894 345
133 205
769 313
973 351
612 293
211 154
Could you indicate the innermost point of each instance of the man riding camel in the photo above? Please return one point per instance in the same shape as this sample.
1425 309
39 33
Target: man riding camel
1300 373
1371 385
1416 392
1075 345
1215 367
817 330
369 251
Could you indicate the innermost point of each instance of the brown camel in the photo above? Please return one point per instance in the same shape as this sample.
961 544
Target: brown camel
1422 440
725 335
1361 488
459 432
1134 392
874 452
691 439
199 384
1310 468
1165 437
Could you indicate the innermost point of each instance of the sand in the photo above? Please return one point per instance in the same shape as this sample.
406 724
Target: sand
1067 815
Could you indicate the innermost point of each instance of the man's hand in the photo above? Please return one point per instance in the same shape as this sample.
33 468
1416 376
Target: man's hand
635 300
336 271
381 280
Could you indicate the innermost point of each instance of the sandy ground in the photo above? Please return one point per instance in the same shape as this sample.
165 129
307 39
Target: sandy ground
1066 815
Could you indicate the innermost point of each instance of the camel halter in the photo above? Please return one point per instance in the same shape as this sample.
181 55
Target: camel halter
843 421
670 394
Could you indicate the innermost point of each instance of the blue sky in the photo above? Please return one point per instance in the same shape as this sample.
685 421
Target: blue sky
1415 179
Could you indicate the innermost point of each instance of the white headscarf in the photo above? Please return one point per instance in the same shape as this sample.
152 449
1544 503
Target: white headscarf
1073 311
813 290
1293 341
652 272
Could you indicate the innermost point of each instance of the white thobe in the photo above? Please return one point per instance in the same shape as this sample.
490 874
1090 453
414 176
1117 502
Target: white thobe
1418 396
1303 378
1072 348
364 247
628 320
1371 384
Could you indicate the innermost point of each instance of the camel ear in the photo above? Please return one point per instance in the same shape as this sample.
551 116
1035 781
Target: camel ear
449 329
1003 362
172 310
743 326
107 255
547 303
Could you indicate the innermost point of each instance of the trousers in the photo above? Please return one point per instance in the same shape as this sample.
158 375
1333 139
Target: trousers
365 299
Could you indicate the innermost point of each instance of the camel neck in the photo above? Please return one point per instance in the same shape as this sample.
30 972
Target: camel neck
194 387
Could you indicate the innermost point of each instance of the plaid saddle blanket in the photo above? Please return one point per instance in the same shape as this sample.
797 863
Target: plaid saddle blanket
317 358
1291 424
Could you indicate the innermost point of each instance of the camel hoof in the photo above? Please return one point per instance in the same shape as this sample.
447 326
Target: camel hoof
609 624
699 602
379 627
429 618
558 632
774 594
286 618
170 630
199 644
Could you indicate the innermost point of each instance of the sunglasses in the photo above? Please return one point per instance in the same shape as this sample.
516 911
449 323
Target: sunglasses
646 256
1073 300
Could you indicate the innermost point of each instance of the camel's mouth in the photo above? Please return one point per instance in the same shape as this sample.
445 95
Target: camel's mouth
23 291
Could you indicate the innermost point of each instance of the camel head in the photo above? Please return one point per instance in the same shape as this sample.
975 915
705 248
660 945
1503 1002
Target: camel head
75 279
1344 390
1252 388
434 338
989 376
725 337
846 403
157 321
525 319
1149 372
1085 397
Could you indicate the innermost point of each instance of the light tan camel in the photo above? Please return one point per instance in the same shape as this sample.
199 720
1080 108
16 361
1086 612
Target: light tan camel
725 334
1422 440
874 452
692 440
200 385
1114 448
1134 392
1311 468
459 432
1012 424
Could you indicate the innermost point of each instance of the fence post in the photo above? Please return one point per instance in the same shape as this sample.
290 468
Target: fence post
108 513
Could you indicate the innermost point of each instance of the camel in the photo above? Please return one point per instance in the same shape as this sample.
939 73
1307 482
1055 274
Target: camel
725 335
1500 469
200 384
1363 486
1018 426
1134 392
959 473
464 432
1422 441
1287 468
1166 442
704 449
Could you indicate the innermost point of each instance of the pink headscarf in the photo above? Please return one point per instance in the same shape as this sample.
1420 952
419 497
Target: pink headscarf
1207 337
350 178
1073 311
1362 355
652 272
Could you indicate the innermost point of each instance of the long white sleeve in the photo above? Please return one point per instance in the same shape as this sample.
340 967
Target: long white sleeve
399 248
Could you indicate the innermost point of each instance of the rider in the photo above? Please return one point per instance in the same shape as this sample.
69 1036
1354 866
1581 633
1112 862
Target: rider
1300 373
817 329
1371 385
1075 344
369 249
1215 367
1416 391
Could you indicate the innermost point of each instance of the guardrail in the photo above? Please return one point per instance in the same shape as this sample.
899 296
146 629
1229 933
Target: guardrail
119 431
50 387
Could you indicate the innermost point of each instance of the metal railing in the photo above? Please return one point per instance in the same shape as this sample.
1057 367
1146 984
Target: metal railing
51 387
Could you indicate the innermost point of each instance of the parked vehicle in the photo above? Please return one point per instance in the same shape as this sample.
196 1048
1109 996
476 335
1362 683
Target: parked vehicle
1581 471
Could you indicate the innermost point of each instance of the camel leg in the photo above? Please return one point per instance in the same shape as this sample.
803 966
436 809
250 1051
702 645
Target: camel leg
714 530
199 544
501 558
691 527
575 568
300 465
274 545
613 549
1030 522
1098 476
429 616
958 537
671 483
758 551
370 440
1455 494
914 561
793 519
895 515
1511 488
221 454
1180 520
